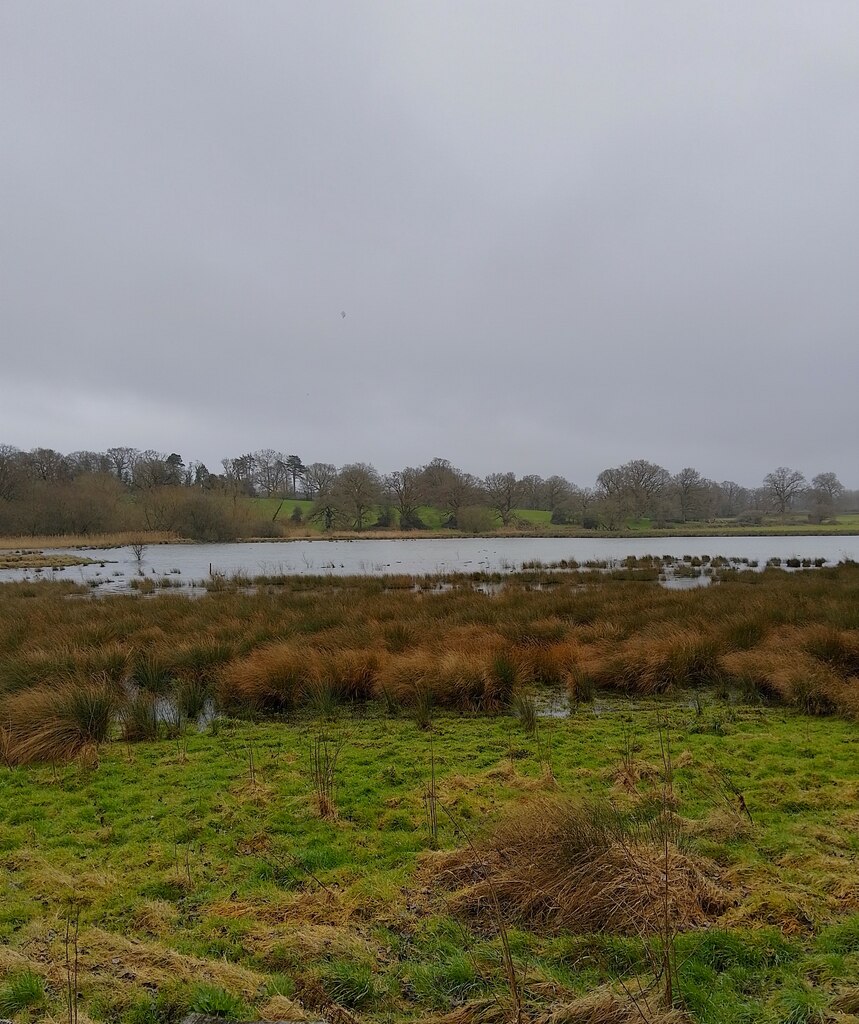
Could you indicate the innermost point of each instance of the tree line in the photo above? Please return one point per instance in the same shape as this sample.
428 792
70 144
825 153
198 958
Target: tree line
43 491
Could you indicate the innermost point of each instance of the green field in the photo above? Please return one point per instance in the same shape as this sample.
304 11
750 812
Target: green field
538 521
205 876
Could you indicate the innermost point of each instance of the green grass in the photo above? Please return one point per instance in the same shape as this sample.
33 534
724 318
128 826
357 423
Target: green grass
539 520
267 507
535 516
205 883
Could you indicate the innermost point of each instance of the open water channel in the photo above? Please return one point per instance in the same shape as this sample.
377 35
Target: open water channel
186 564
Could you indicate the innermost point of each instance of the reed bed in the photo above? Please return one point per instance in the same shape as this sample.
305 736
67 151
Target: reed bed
88 540
791 637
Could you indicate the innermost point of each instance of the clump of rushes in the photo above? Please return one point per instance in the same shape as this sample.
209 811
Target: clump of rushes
789 637
139 718
191 695
523 707
59 723
275 677
152 671
555 864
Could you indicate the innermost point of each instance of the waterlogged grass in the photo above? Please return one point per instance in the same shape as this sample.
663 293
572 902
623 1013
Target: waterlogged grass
206 879
27 559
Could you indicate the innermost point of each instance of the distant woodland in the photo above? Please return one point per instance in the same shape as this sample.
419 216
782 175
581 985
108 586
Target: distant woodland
269 494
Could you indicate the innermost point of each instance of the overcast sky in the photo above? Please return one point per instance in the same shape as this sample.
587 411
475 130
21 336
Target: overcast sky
564 234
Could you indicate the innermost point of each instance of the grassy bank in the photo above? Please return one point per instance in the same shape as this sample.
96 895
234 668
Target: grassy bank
530 523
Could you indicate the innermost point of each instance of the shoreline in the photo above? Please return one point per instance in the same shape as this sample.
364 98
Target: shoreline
106 541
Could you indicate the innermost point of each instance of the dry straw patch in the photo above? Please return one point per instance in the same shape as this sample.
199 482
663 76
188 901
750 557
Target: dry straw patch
316 907
155 917
556 864
279 1008
106 953
301 941
88 540
599 1007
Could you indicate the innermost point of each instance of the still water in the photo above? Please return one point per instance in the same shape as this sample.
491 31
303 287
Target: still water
187 563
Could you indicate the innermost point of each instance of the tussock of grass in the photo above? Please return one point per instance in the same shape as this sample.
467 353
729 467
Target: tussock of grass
53 724
276 677
558 864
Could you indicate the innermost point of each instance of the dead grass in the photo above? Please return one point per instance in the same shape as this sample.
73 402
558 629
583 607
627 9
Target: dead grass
605 1007
89 540
55 724
847 1001
557 864
600 1007
279 1008
276 677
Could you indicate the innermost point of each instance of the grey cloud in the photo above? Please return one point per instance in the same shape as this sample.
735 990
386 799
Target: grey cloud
564 235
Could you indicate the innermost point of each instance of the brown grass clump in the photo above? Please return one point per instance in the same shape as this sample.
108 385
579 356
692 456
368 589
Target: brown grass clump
351 674
280 1008
778 669
549 664
556 864
275 677
478 680
599 1007
659 659
156 917
55 724
847 1001
603 1007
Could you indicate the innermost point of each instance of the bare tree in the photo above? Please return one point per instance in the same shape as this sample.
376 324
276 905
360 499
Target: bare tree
826 489
121 461
732 498
48 465
636 488
828 485
405 491
357 491
270 471
783 486
556 492
242 470
318 479
689 487
646 483
87 462
449 488
503 494
12 471
533 491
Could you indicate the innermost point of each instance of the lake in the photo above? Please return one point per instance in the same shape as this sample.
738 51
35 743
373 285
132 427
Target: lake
187 563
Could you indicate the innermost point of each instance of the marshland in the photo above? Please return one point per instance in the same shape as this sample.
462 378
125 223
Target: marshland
541 796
